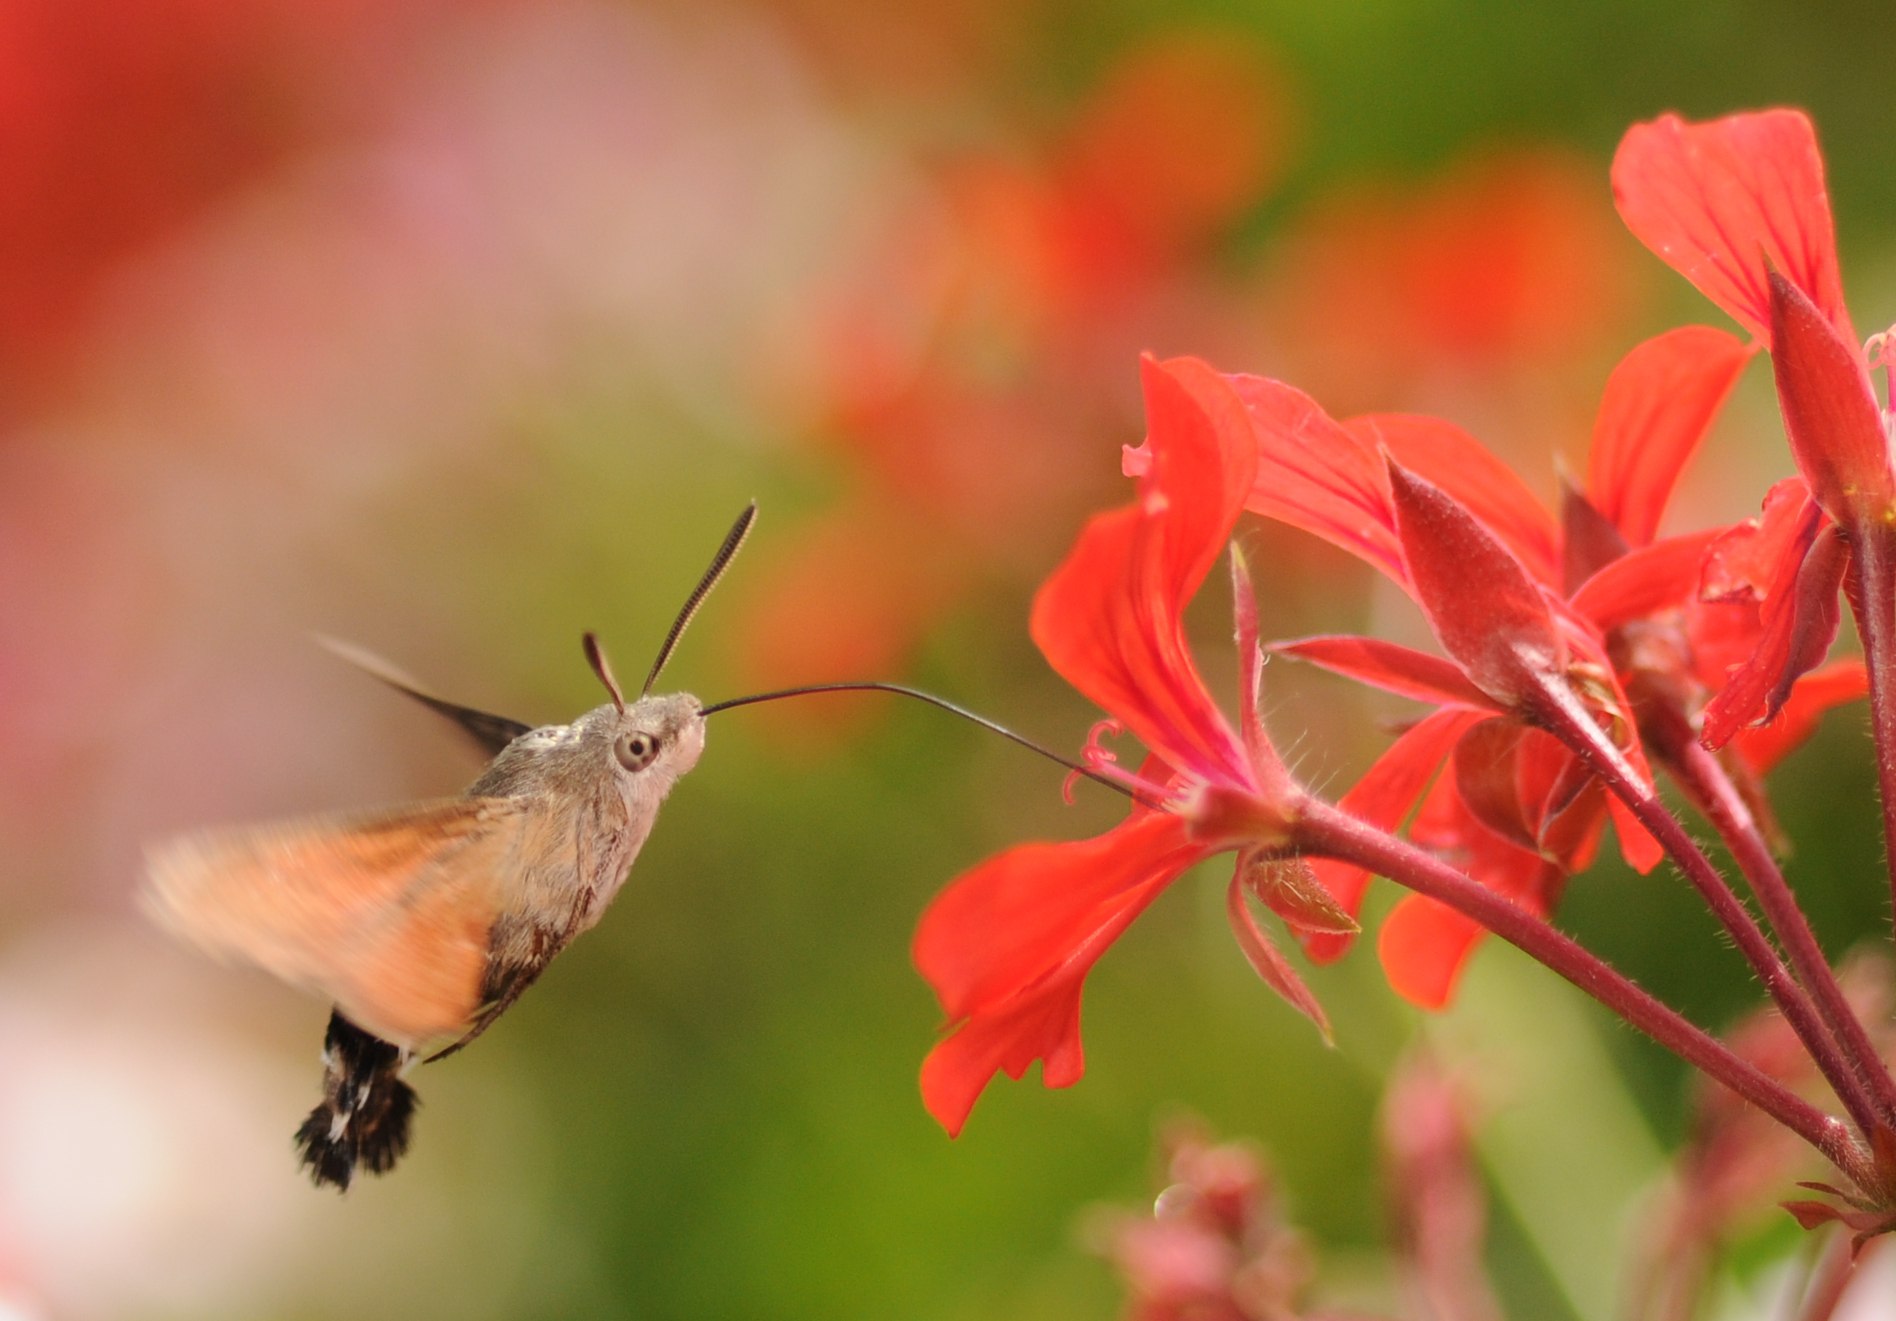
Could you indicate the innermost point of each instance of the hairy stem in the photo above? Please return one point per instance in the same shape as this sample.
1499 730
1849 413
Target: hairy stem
1331 832
1699 774
1562 715
1872 583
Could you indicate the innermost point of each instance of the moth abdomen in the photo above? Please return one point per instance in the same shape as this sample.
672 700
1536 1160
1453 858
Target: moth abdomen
366 1110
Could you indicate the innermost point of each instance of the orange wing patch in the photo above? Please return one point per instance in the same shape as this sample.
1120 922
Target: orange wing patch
387 914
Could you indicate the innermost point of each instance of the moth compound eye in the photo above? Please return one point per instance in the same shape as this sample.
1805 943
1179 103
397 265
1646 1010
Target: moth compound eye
636 750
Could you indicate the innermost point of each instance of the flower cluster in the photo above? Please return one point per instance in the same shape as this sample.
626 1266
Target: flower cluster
1584 649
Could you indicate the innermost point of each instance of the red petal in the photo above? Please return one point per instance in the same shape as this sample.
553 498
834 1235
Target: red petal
1109 618
1012 920
1042 1026
1486 765
1830 685
1485 609
1270 966
1313 474
1659 403
1445 455
1641 851
1007 946
1554 783
1645 582
1424 945
1726 202
1830 409
1571 838
1799 622
1740 570
1390 666
1588 540
1385 795
1746 559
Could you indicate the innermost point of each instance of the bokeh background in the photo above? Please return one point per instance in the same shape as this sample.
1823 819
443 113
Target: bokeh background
455 328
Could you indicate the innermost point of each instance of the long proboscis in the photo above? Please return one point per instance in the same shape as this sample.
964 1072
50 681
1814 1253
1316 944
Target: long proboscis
719 563
942 703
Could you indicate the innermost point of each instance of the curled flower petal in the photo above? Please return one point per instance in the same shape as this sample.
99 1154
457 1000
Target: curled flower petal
1109 619
1746 560
1043 1025
1659 403
1724 203
1800 620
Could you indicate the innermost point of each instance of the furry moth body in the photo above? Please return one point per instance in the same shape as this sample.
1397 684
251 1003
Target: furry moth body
424 923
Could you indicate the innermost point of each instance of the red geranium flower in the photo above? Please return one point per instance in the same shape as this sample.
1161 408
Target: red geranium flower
1738 206
1008 945
1501 578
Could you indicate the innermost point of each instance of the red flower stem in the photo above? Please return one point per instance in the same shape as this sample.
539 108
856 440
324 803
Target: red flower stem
1872 578
1560 713
1331 832
1705 782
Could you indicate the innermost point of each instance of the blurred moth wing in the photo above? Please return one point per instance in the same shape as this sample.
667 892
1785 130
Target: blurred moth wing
490 732
389 914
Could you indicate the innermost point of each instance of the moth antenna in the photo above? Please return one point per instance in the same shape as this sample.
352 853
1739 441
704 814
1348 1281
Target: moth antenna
941 703
596 657
719 563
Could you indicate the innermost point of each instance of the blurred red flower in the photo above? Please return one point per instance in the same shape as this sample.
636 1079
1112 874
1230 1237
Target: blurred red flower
1439 1210
974 346
1214 1245
1734 1167
122 119
1504 264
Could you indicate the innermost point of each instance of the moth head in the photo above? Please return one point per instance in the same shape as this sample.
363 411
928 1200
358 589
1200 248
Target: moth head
655 738
662 736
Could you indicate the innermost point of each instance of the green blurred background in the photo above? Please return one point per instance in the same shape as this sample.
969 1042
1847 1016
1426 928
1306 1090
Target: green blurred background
455 329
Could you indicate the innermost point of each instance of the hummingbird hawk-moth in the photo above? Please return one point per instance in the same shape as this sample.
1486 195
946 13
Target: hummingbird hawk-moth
423 923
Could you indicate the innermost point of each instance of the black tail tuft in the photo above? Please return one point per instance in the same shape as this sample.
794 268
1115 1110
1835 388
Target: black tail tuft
366 1108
